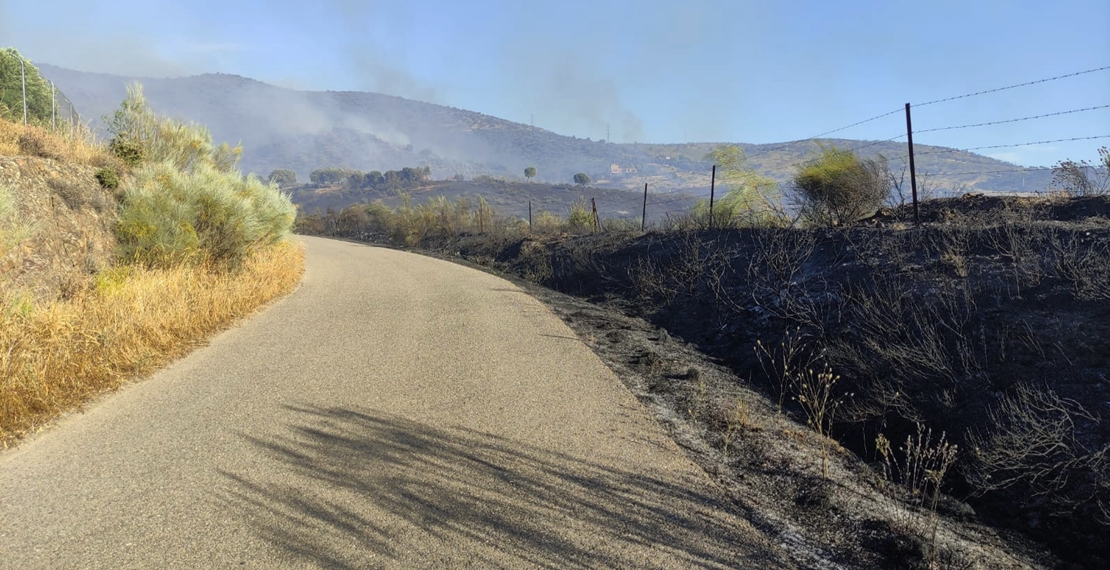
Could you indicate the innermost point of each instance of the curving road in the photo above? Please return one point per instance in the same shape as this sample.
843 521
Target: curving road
395 412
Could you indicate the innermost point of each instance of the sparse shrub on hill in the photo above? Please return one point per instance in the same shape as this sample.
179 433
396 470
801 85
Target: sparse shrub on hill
107 178
839 187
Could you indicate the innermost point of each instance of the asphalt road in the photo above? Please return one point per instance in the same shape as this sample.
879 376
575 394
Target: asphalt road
395 412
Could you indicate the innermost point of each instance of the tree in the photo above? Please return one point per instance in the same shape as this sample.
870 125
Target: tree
530 172
11 89
839 187
581 179
329 176
283 177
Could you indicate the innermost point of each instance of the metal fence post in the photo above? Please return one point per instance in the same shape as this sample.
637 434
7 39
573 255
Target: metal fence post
712 191
643 220
913 171
23 77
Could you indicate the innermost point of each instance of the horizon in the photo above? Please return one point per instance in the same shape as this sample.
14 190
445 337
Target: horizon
519 63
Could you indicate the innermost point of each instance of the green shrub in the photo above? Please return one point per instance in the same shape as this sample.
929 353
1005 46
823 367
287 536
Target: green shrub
107 178
129 151
138 134
839 187
580 218
169 216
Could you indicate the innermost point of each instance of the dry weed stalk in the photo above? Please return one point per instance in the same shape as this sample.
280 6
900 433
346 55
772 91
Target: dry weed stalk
921 472
814 392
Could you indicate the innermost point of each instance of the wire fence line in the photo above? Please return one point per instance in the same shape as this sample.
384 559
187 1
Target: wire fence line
651 202
28 97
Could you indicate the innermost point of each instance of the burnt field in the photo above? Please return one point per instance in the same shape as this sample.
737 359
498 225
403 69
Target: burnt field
888 395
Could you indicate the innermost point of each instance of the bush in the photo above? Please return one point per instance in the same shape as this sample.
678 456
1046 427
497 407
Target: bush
139 135
169 217
1083 178
839 187
107 178
129 151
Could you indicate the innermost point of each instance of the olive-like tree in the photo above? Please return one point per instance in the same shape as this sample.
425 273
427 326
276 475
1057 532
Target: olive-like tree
283 177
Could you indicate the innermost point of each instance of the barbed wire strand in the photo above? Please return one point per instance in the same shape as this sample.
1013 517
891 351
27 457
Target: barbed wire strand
1022 169
951 150
1012 120
856 124
1026 84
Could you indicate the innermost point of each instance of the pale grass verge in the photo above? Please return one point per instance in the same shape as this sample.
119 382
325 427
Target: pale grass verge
130 322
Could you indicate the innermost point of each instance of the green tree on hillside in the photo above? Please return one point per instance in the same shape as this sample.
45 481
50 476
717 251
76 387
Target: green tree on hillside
283 177
530 172
329 176
581 179
39 102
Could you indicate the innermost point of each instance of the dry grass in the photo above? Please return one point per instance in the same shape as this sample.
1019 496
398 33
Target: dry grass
127 322
72 143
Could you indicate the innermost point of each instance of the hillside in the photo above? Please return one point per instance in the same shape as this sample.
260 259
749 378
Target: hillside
285 128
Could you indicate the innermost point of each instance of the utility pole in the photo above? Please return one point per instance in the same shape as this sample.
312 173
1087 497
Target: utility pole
913 170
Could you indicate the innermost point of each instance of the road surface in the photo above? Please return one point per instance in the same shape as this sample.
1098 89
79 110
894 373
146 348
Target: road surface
395 412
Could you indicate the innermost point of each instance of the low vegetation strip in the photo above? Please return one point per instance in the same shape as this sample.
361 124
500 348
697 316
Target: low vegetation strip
116 258
129 322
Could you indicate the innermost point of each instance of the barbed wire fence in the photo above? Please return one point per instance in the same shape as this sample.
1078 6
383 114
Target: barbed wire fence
679 201
27 90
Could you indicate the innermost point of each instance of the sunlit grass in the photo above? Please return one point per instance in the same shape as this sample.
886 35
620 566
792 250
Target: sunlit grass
127 322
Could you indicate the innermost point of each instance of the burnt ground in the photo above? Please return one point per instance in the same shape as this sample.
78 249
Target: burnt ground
991 324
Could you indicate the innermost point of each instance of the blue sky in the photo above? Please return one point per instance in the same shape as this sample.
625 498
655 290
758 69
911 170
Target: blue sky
652 71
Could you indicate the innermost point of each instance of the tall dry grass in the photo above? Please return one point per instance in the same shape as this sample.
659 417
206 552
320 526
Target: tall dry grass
127 322
75 144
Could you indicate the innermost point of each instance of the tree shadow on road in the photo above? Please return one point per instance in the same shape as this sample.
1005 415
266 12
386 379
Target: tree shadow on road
358 488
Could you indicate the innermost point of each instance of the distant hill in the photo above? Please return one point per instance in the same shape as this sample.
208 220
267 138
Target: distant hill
305 130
